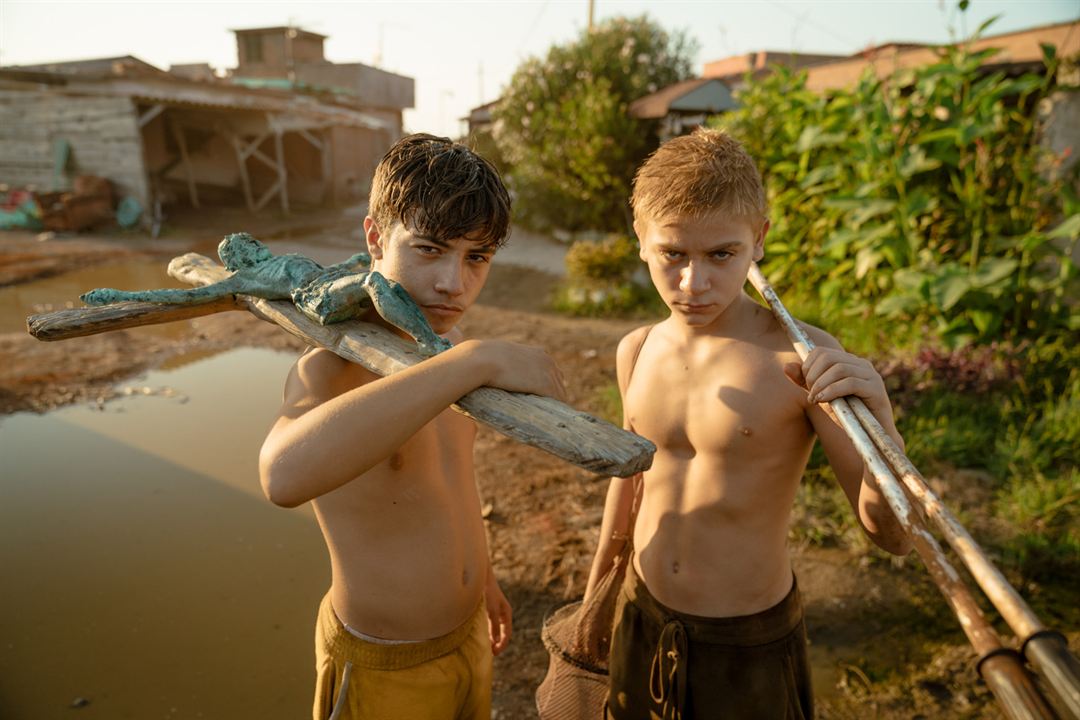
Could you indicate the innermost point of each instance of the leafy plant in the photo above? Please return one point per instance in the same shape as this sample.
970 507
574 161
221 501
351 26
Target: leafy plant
921 198
601 280
563 126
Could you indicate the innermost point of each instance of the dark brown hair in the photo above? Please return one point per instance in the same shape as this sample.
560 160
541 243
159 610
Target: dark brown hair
698 174
440 189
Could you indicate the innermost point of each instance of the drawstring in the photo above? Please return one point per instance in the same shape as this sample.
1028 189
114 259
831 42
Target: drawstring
667 677
339 705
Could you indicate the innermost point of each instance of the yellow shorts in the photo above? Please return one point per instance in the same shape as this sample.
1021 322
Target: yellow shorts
446 677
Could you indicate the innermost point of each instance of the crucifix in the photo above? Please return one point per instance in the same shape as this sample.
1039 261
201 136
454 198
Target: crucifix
320 305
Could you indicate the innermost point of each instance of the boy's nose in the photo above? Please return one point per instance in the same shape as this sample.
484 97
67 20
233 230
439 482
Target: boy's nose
692 280
450 280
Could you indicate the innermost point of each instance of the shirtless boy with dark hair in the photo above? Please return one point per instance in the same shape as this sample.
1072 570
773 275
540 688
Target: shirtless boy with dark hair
709 623
414 613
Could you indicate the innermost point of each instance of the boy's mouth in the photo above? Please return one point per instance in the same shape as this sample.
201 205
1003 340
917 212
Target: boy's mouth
693 307
443 310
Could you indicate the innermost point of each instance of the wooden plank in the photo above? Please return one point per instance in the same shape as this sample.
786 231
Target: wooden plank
542 422
283 175
178 135
267 195
150 114
79 322
241 163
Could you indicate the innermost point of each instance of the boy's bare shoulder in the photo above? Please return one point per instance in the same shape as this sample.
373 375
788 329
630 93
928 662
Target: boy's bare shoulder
632 341
319 375
627 351
819 336
768 328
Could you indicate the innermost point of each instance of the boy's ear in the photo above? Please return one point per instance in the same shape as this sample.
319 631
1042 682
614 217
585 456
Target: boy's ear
373 238
759 243
639 230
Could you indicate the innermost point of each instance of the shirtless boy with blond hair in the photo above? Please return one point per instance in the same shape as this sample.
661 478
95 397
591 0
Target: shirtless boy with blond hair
709 622
414 613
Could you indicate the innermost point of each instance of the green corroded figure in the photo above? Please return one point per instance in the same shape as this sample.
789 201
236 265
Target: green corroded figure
326 295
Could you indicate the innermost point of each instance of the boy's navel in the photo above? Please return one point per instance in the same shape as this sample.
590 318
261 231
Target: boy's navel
397 460
745 431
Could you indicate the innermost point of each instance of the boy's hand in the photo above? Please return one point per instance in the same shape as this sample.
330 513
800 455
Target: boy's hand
829 373
518 368
500 615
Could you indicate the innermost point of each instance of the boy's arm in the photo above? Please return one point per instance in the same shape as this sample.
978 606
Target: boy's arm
828 373
615 527
323 438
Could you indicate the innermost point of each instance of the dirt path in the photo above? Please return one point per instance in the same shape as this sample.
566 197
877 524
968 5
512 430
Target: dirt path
892 649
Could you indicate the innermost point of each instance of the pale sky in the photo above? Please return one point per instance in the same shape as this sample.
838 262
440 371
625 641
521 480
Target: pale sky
462 53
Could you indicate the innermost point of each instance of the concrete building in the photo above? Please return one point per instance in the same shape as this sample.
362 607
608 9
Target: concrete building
285 125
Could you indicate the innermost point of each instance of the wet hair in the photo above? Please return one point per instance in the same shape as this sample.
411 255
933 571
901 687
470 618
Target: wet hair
699 174
441 190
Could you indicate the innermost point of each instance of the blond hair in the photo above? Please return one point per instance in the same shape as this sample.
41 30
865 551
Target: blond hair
696 175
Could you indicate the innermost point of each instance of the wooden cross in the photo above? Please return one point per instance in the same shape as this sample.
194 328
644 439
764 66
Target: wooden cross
543 422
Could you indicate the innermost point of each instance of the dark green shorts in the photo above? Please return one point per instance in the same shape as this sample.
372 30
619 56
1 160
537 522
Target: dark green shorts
667 664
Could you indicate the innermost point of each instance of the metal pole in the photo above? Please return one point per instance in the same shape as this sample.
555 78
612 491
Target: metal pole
1002 669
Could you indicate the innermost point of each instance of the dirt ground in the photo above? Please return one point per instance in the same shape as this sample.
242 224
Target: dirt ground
882 634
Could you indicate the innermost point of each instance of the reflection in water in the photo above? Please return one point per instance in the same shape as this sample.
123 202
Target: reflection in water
142 568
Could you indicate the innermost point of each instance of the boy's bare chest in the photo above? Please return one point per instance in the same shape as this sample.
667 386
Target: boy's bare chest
714 404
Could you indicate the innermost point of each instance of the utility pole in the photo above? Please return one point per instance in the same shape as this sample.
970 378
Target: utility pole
592 5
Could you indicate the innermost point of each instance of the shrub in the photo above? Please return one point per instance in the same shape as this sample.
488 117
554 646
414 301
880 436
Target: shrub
563 125
923 198
600 280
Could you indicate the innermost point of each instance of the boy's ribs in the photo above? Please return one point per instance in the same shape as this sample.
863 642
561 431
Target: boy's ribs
542 422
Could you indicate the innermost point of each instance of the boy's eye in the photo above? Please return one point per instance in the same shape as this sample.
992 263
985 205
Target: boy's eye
478 258
722 254
670 254
427 249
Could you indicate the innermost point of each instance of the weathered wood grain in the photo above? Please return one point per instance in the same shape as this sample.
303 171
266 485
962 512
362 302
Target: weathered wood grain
79 322
542 422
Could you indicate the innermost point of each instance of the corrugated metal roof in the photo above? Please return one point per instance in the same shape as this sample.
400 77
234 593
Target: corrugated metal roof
659 104
178 91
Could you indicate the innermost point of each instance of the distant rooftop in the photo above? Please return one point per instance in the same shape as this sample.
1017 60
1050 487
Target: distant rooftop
279 29
122 65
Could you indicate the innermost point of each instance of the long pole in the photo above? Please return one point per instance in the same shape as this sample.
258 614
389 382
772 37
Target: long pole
1000 667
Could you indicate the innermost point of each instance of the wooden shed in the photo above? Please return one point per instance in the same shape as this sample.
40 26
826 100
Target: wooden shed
164 139
285 125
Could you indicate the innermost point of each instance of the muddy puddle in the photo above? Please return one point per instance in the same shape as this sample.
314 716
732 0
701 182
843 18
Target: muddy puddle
62 291
144 574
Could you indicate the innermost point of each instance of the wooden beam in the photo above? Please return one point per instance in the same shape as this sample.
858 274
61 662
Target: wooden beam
241 163
542 422
264 158
149 115
79 322
267 195
253 146
178 135
283 175
327 167
310 138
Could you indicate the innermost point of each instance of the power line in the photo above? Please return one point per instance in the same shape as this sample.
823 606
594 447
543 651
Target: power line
806 19
532 27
